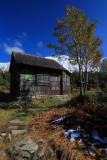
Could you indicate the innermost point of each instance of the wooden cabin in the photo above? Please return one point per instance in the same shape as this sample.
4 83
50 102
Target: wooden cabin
33 76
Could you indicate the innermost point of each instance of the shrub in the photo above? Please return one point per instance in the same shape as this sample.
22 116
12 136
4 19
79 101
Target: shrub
5 80
90 97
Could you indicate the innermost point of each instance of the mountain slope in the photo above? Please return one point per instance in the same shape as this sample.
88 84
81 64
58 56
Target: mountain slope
64 61
4 66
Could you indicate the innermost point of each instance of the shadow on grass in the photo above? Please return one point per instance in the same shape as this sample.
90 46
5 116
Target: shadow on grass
6 97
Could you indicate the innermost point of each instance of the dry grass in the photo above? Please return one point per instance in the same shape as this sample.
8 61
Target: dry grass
44 131
54 137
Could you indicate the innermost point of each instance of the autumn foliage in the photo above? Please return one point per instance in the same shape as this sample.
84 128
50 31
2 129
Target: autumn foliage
76 38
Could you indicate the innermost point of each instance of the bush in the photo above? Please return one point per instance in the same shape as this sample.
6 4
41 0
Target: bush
95 79
5 80
90 97
75 79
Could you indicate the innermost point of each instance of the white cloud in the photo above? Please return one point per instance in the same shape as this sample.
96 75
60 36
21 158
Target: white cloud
23 35
8 39
38 54
40 44
9 49
17 43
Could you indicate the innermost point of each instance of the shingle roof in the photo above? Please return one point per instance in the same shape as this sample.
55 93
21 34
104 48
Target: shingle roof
22 58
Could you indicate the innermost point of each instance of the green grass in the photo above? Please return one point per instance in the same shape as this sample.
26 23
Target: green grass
27 111
32 108
5 116
90 96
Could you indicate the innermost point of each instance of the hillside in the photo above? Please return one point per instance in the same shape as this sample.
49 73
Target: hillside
4 66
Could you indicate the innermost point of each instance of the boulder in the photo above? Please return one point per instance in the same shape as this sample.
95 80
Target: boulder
24 154
40 153
26 145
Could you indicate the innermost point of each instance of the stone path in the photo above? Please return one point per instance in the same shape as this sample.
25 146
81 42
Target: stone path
17 121
24 149
17 132
26 145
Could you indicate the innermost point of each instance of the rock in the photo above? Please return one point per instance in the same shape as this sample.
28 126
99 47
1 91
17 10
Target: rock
17 132
40 153
17 121
3 134
26 145
24 154
19 98
18 158
17 105
8 138
12 127
2 153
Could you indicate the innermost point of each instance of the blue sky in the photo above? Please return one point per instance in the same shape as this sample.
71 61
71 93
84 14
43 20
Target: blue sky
27 25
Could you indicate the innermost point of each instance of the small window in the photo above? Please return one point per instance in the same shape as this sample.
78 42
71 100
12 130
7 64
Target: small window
42 79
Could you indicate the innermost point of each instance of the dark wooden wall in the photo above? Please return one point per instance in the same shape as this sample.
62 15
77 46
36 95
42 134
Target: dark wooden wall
57 82
66 83
14 81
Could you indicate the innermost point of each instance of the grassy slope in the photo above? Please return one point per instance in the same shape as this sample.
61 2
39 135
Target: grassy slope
26 112
80 113
40 110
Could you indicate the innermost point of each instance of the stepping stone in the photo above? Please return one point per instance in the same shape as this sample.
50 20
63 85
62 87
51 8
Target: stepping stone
40 153
18 158
18 132
2 153
12 127
17 121
26 145
3 134
24 154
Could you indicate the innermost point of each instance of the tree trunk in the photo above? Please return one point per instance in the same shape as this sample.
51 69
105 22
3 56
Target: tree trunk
86 77
81 80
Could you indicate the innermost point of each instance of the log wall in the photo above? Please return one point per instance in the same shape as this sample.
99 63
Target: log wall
14 80
43 82
66 83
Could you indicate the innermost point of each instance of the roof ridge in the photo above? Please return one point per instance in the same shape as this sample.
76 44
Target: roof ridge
42 59
24 54
34 56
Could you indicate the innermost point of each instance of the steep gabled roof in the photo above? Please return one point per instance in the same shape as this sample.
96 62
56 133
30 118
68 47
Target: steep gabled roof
27 59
